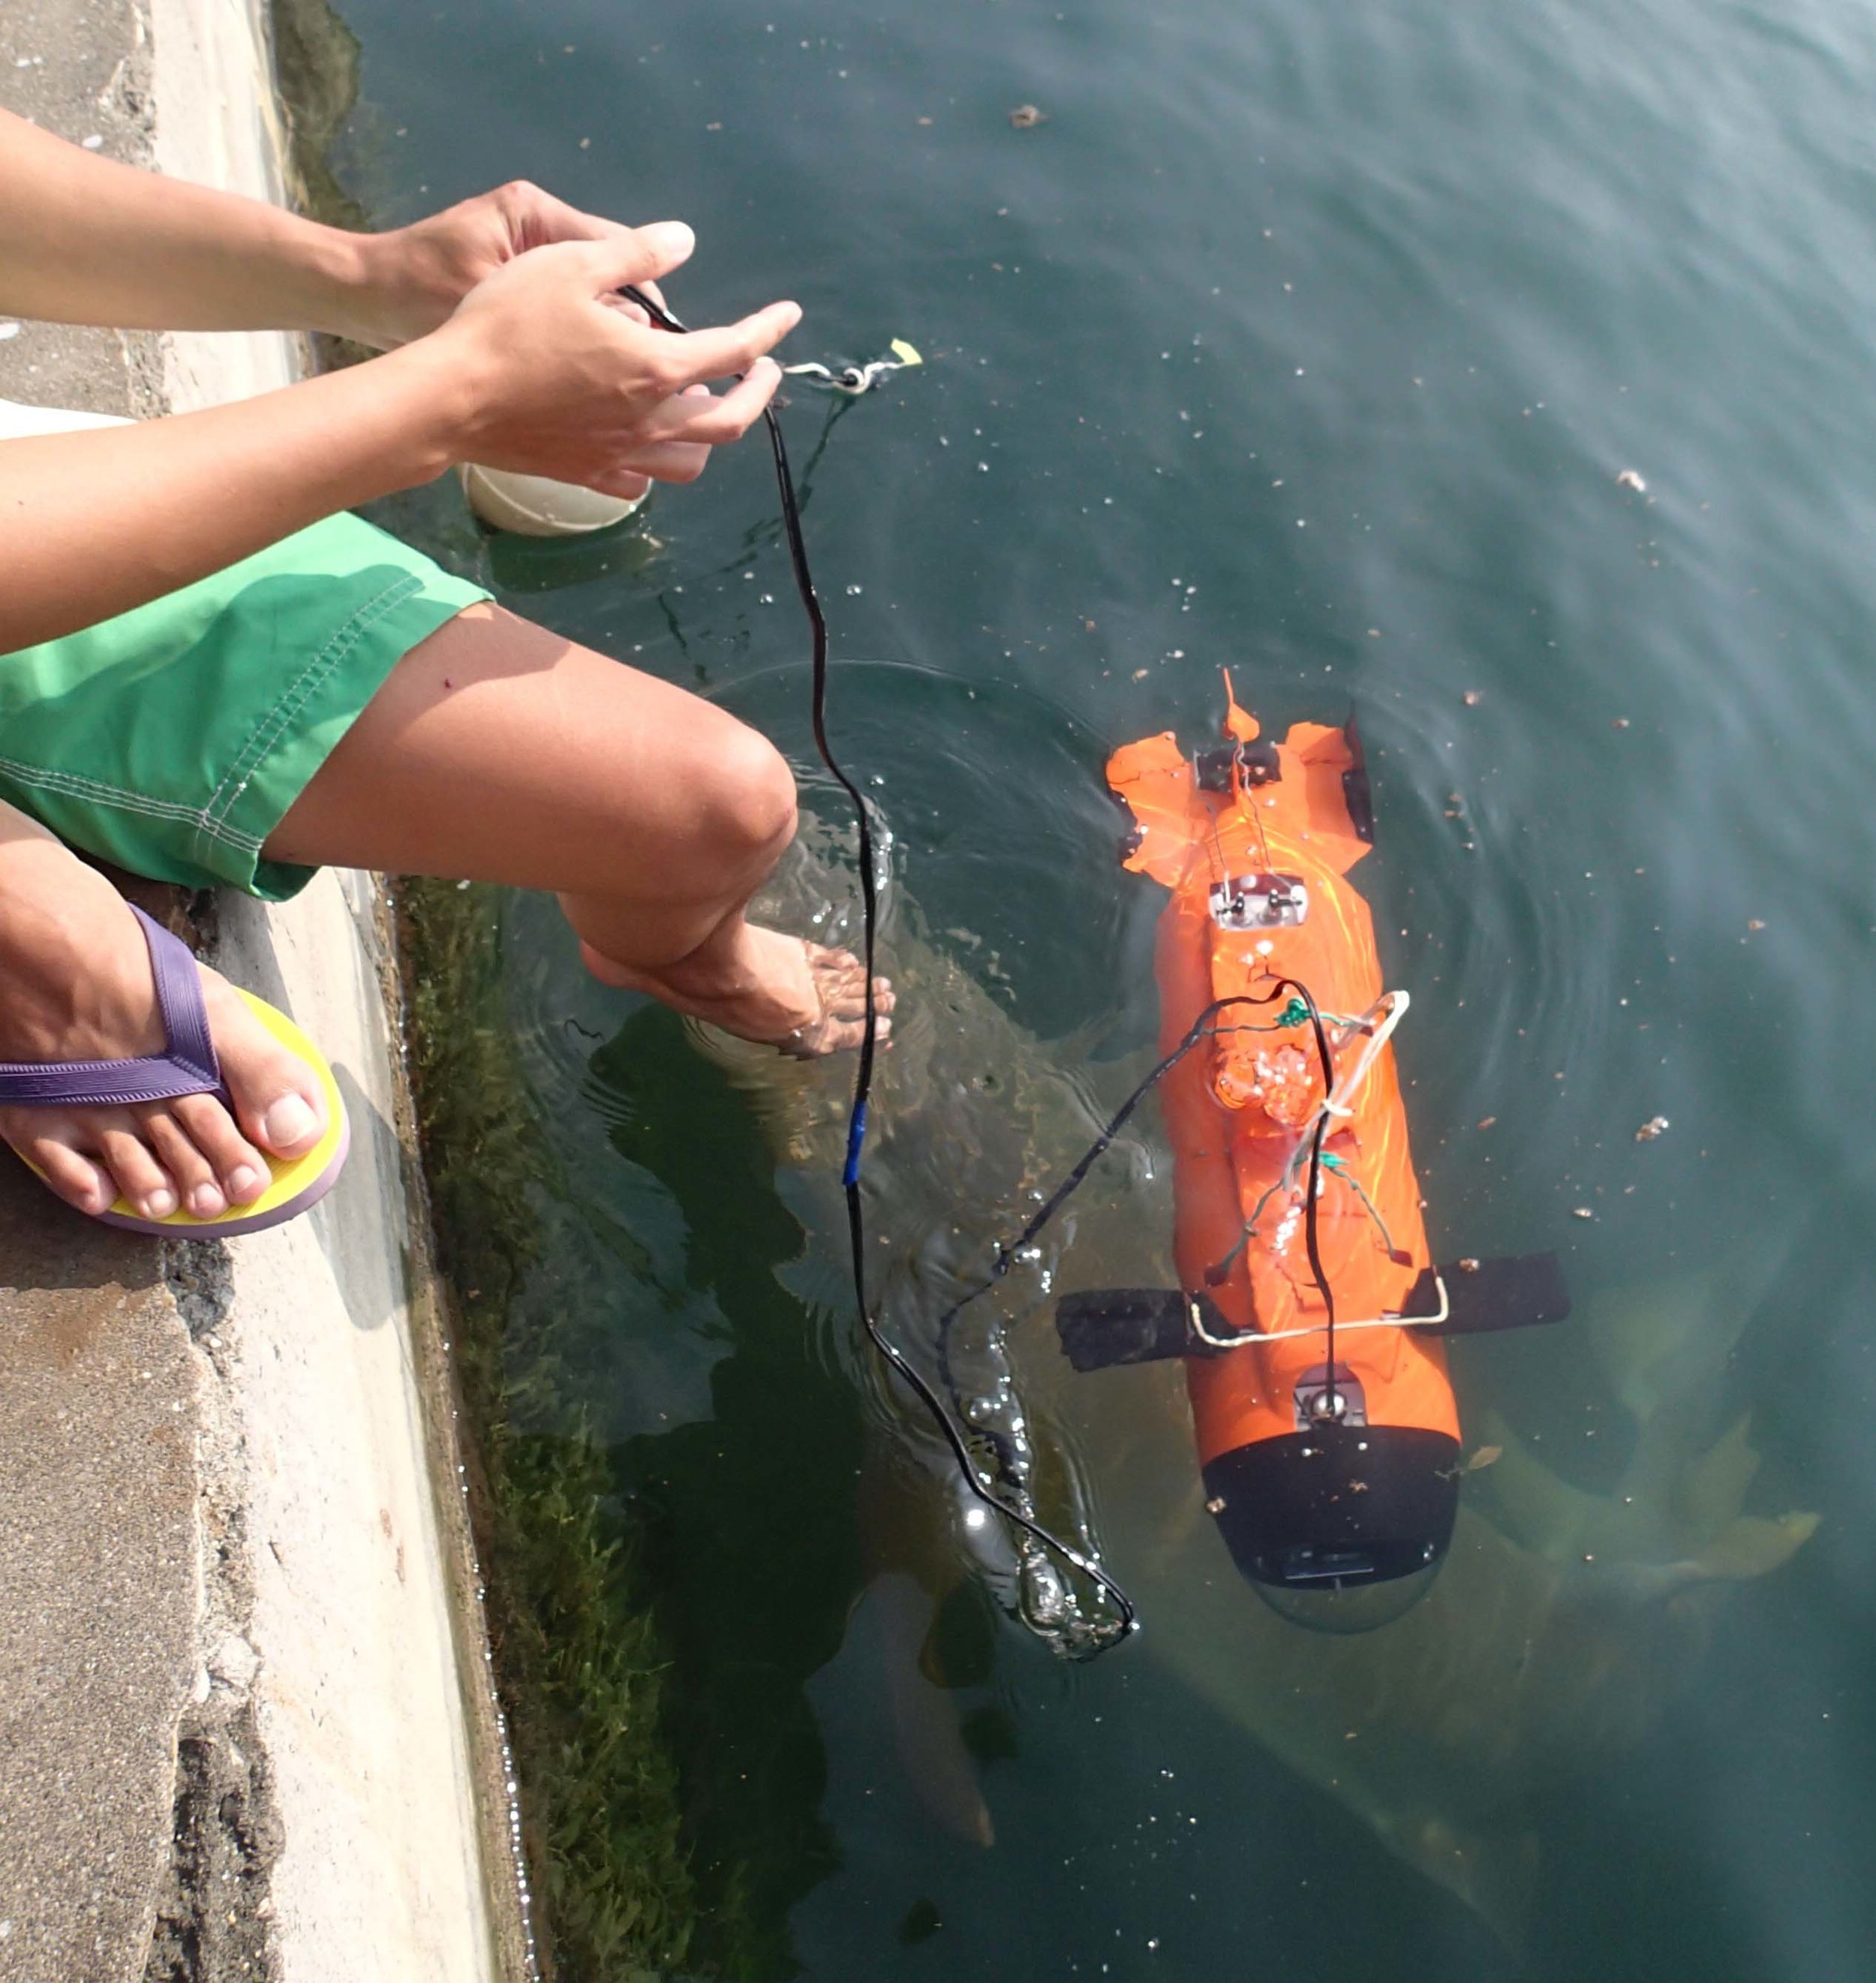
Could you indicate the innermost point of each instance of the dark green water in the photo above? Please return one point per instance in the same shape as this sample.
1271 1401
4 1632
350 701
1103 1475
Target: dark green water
1310 340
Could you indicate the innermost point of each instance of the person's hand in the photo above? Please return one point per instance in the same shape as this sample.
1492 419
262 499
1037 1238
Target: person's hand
551 373
410 279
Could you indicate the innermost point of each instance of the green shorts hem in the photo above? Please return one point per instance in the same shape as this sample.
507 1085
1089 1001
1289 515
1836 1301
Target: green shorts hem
174 739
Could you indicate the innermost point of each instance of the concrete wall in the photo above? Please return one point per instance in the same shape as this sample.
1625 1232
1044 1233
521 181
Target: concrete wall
245 1726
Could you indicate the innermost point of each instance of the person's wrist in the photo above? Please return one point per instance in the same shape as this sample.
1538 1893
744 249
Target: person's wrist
447 378
404 290
370 300
338 282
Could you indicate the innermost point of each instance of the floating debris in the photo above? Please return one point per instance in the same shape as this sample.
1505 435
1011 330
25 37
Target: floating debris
1486 1121
1620 722
1026 117
1468 1266
1755 925
1654 1126
1581 1212
1628 478
1486 1457
1474 697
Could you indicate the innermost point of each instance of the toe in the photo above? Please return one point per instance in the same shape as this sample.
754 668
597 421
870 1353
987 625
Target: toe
833 1034
240 1168
189 1167
848 1000
140 1178
277 1099
290 1124
79 1182
840 985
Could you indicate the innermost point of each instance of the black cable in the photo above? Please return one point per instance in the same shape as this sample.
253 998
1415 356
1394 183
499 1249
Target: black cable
862 1080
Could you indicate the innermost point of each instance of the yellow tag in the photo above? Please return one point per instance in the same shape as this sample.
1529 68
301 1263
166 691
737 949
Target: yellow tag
904 352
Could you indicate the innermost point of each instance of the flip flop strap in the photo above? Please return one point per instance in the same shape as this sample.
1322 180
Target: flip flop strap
186 1065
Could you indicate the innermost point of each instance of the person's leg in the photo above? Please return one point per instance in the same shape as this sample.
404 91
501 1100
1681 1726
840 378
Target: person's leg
169 741
484 747
498 751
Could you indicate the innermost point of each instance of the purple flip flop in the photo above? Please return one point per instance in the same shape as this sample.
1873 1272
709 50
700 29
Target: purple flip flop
188 1065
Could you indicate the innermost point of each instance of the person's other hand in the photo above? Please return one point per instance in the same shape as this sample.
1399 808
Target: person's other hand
410 278
550 373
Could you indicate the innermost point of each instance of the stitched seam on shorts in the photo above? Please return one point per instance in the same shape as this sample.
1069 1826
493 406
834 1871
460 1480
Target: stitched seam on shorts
73 784
344 638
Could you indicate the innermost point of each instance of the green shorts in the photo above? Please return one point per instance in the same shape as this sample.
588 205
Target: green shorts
173 739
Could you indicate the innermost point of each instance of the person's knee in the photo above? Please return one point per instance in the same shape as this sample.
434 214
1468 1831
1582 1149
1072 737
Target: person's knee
749 800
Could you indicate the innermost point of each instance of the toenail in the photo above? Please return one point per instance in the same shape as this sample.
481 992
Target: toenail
159 1205
244 1182
204 1201
289 1121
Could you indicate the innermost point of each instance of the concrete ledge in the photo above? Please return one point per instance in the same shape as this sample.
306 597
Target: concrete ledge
341 1601
245 1723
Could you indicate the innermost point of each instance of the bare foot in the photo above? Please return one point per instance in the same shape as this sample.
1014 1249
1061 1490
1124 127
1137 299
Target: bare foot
75 984
762 986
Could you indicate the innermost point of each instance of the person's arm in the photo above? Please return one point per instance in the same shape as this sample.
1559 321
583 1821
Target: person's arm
537 370
85 240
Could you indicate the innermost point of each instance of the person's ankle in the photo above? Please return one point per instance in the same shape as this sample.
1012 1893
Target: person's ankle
56 981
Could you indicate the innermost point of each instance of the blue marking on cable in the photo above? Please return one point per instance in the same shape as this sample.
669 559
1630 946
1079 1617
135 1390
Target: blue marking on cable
856 1135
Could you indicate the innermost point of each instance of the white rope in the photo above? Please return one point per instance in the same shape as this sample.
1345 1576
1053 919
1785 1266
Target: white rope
1340 1099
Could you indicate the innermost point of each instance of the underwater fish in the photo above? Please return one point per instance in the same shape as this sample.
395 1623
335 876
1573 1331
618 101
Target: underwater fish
908 1531
1562 1621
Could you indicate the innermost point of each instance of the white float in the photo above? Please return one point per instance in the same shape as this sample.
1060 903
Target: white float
534 506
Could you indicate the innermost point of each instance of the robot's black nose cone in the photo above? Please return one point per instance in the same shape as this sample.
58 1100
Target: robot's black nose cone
1335 1509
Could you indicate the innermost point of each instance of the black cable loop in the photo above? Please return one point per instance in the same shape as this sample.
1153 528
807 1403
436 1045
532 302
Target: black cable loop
862 1080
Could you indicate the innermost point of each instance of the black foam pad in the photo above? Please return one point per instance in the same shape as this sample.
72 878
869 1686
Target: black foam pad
1521 1291
1102 1327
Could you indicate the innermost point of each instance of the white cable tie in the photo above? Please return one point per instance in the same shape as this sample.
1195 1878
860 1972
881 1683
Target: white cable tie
851 379
1257 1335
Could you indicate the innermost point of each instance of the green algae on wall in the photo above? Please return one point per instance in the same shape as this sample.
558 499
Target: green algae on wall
317 63
670 1783
580 1661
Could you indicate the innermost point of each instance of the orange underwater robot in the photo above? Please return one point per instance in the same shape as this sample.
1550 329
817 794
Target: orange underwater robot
1311 1313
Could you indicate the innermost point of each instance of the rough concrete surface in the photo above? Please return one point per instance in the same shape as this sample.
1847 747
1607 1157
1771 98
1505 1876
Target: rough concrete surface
97 1586
243 1731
